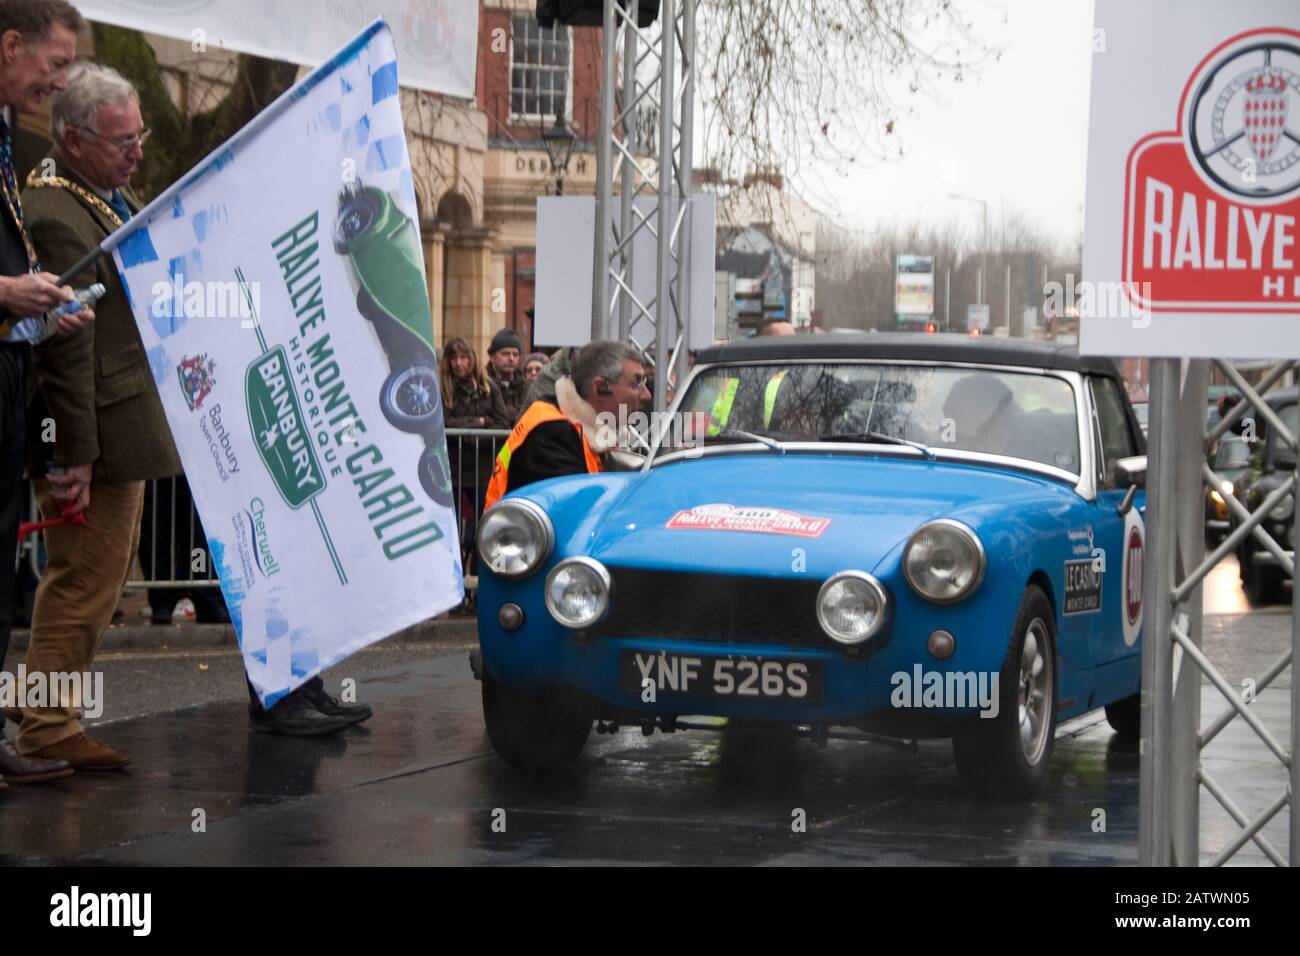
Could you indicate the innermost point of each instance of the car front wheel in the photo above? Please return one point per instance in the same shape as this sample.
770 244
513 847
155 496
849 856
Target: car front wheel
534 729
435 475
1008 755
409 399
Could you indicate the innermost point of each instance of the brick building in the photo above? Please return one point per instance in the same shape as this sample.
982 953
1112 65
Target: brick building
525 77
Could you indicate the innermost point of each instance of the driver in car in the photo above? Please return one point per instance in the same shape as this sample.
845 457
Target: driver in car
983 409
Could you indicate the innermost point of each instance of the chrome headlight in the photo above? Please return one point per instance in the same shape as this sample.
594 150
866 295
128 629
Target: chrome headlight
515 538
1282 510
577 592
944 561
851 607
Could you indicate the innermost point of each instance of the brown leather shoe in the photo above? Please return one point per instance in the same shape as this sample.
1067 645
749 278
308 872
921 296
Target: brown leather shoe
19 769
83 752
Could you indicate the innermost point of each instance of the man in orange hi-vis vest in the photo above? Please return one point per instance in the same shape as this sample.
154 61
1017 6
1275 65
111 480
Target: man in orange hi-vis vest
565 437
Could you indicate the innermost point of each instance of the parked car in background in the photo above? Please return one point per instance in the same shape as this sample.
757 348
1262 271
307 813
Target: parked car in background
1229 462
1271 465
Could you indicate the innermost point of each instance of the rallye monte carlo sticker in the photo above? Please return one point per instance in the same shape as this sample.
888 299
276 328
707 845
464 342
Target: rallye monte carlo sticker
1210 208
723 517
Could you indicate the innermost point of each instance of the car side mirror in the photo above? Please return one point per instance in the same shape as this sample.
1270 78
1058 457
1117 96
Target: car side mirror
1130 472
623 461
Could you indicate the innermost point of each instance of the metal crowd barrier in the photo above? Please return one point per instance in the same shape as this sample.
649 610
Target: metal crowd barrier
173 548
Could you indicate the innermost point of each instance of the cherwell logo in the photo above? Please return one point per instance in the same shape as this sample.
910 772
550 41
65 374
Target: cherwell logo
77 909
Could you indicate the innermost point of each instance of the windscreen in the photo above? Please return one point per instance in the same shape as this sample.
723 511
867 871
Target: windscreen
1019 415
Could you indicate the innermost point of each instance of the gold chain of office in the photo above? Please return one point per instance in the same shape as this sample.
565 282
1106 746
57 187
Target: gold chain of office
36 180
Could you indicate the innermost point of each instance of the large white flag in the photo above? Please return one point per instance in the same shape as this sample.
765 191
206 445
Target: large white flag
437 39
280 293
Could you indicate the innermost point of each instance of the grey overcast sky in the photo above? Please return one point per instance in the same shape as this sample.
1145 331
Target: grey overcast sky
1016 135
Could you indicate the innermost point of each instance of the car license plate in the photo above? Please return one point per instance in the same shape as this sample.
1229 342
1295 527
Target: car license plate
737 677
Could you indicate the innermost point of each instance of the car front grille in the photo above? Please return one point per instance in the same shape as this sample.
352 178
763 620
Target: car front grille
713 607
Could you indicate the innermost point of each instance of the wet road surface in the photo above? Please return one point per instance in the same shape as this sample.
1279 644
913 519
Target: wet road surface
419 784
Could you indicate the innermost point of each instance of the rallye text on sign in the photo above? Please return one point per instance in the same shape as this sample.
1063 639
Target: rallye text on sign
916 536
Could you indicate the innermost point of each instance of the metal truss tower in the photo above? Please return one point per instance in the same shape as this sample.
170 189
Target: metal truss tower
652 85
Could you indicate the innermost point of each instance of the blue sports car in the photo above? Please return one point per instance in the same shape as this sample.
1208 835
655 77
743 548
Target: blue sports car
913 536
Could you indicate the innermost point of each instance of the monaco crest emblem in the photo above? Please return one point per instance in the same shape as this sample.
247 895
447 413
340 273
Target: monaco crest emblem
1264 112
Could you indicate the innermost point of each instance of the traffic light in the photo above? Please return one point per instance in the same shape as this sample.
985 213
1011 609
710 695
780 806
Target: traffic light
931 328
975 332
589 13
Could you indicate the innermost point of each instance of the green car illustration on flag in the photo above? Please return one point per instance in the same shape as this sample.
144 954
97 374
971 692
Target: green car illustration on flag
383 247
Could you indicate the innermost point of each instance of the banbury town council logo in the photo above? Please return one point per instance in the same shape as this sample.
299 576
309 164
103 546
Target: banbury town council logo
1211 208
196 379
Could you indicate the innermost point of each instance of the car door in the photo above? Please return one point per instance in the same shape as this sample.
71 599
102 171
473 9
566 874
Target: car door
1119 540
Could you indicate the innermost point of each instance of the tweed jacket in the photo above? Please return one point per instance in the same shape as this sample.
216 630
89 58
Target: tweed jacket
94 395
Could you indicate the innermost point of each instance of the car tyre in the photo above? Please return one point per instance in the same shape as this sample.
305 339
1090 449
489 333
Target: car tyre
1263 583
1008 755
534 730
435 475
358 213
409 399
1125 717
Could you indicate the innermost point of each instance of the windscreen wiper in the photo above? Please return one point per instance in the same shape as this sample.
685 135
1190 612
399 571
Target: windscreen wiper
735 434
878 436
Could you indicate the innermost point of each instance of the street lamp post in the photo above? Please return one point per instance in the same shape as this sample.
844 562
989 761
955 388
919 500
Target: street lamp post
984 251
559 141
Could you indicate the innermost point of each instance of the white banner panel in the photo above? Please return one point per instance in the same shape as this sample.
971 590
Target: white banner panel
437 40
281 298
566 235
1191 239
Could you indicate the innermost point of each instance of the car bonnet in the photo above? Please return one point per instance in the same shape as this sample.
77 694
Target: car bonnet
766 514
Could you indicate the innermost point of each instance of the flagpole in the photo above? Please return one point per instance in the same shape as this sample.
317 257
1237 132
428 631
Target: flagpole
215 159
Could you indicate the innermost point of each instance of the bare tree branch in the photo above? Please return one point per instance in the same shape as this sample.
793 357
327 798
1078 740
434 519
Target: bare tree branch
812 87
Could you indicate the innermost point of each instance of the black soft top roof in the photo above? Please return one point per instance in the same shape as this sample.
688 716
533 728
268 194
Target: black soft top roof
993 350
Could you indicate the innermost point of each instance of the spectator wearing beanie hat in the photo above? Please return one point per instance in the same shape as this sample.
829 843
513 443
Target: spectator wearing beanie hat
503 368
534 362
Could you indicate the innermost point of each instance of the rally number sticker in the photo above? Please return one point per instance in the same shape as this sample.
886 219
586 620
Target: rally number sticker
1131 592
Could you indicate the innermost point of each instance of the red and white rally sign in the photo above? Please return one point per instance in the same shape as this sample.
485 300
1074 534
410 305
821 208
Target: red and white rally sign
722 517
1193 193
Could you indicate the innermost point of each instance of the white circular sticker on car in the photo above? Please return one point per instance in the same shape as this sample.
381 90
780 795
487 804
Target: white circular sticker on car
1131 576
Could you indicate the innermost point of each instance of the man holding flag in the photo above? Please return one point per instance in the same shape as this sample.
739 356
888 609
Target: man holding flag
109 431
